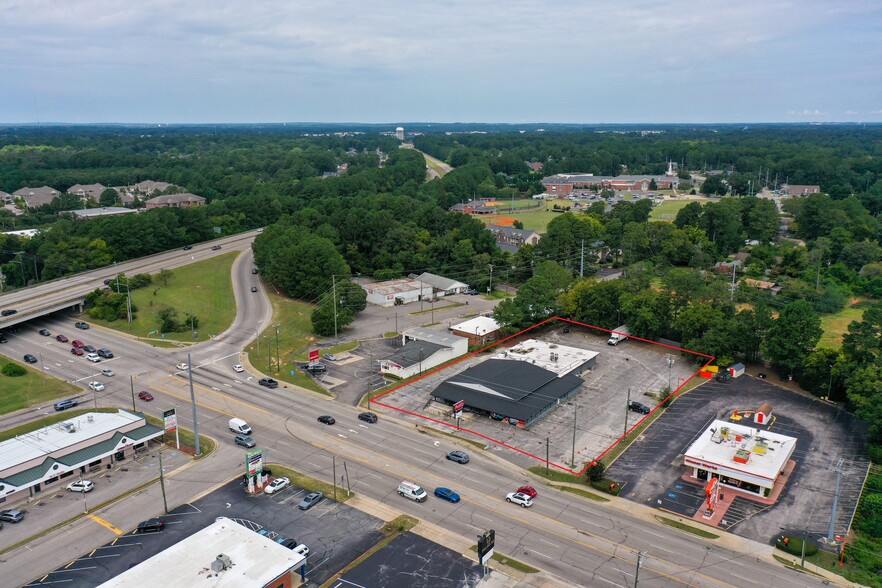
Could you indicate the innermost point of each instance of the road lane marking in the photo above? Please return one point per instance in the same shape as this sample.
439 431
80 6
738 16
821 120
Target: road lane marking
540 553
105 524
745 579
549 543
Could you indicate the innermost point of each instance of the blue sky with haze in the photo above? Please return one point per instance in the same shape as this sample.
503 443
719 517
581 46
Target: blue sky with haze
511 61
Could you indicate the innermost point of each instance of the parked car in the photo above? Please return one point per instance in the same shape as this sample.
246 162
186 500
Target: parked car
244 441
93 357
471 292
45 332
316 367
145 396
77 343
65 404
518 498
61 338
97 386
310 500
368 417
528 490
7 312
268 382
89 349
326 419
29 358
107 372
182 366
447 494
254 288
82 325
238 369
81 486
276 485
254 270
151 526
301 549
76 350
496 416
11 515
330 356
458 456
216 248
105 353
638 407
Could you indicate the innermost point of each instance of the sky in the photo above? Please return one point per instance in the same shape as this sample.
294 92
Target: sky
500 61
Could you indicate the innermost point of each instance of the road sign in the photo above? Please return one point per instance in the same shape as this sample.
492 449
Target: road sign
313 354
486 542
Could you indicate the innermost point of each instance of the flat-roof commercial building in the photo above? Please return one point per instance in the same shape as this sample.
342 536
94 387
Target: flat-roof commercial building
556 358
33 462
223 555
421 350
480 330
741 457
103 211
442 285
395 292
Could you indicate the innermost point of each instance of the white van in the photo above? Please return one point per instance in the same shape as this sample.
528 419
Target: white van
412 491
239 426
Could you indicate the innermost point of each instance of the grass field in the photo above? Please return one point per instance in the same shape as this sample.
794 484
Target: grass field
203 289
836 325
31 389
535 219
667 210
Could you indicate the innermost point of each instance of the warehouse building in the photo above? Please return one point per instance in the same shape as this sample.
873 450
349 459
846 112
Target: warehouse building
46 458
396 292
421 350
740 457
442 285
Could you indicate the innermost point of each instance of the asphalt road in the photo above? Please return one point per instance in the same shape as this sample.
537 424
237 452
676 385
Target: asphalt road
578 541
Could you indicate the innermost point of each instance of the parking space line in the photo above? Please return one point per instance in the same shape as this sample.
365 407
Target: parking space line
105 524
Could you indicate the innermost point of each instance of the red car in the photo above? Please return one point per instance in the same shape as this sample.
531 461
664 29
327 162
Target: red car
61 338
77 343
145 396
529 491
76 350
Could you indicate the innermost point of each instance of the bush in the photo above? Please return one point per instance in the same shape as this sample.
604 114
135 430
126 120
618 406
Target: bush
793 545
607 486
595 471
13 370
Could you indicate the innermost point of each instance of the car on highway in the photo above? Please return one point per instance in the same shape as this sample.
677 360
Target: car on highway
11 515
216 248
81 486
145 396
45 332
182 366
107 372
77 343
93 357
254 288
310 500
96 386
244 441
82 325
326 419
7 312
528 490
276 485
105 353
3 338
76 351
238 369
638 407
368 417
447 494
29 358
61 338
188 247
151 526
65 404
89 349
254 270
519 498
268 382
458 456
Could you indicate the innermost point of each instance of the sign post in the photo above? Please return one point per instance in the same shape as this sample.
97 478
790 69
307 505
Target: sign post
486 543
170 421
457 411
313 355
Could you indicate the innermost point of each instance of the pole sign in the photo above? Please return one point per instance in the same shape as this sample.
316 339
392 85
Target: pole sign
170 420
486 542
457 409
313 355
254 462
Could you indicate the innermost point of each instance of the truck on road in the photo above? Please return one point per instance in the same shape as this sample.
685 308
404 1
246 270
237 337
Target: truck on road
618 335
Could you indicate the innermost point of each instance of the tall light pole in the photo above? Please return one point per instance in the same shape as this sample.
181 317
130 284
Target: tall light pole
573 457
278 365
830 384
670 361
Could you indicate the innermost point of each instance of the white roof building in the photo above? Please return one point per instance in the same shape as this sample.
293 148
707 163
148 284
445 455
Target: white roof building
441 284
394 292
560 359
742 457
477 326
224 554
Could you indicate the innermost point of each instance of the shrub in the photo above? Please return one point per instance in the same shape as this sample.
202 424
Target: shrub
595 471
793 545
13 370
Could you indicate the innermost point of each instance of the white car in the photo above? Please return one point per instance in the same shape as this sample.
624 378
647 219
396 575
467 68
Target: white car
276 485
519 498
81 486
182 366
93 357
97 386
238 369
302 549
107 372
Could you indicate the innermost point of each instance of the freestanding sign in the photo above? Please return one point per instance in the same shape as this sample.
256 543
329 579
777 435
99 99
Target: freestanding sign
457 409
313 355
170 423
486 542
254 461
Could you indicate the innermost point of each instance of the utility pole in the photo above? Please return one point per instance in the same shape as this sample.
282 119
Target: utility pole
838 469
627 408
162 481
334 294
269 355
278 364
195 420
129 306
582 260
732 287
670 361
547 452
334 475
132 382
490 287
640 555
573 458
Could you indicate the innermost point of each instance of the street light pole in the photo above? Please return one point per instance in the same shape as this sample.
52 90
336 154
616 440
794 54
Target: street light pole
830 384
573 458
547 452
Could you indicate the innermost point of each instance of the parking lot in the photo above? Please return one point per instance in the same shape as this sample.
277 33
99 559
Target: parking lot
335 534
600 408
650 469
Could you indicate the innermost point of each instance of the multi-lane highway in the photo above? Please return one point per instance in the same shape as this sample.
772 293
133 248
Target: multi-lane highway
578 541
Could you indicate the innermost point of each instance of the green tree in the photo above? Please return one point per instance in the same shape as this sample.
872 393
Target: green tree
793 336
164 276
323 322
688 215
108 197
168 320
714 186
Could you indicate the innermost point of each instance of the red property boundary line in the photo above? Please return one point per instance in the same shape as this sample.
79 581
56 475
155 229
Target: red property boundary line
375 400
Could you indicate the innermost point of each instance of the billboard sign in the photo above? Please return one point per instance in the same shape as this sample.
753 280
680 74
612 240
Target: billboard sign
313 354
486 542
170 420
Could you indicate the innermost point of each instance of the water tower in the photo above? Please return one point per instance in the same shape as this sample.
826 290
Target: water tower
399 133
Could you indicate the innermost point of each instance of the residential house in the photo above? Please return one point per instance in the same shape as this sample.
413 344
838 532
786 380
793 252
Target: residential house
87 191
761 285
184 200
512 239
150 187
535 166
36 197
799 190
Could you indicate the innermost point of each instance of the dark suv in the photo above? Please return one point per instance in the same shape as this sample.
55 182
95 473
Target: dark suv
151 525
69 403
638 407
105 353
268 382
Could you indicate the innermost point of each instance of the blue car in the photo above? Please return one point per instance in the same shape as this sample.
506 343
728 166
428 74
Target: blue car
447 494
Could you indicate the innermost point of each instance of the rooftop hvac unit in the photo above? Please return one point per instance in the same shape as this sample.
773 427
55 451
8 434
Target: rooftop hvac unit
222 563
70 427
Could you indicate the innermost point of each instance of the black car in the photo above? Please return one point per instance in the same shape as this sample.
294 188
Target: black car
30 358
7 312
188 247
3 338
268 382
216 248
45 332
254 288
88 349
151 526
458 456
368 417
63 404
82 325
326 419
638 407
105 353
254 270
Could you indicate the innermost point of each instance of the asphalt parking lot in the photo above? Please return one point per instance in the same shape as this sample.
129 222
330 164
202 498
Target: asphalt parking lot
650 469
600 407
335 534
410 561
